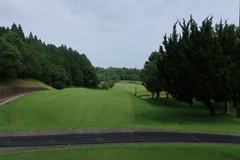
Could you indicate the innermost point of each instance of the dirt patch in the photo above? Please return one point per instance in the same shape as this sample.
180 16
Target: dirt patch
9 99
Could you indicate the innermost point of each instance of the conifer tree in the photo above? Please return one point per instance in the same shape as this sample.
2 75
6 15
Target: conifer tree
200 63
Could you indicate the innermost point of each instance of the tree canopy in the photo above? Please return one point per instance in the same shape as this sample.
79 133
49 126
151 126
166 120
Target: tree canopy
29 57
201 63
117 74
151 76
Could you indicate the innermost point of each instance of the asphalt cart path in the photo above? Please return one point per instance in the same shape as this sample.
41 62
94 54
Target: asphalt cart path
21 141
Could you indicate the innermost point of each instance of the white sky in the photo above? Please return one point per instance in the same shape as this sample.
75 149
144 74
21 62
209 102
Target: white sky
117 33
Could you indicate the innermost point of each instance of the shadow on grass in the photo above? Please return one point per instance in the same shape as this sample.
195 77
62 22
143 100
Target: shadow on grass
180 113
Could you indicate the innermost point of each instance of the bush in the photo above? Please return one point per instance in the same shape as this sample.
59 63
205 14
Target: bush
107 84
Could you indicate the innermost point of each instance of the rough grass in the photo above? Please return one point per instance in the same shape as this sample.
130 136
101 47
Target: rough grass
21 83
134 152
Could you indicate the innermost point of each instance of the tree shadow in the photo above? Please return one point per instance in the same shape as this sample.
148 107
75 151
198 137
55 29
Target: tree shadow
178 112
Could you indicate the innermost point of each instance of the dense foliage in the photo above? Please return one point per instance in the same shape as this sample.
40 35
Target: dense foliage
117 74
201 63
29 57
111 75
150 75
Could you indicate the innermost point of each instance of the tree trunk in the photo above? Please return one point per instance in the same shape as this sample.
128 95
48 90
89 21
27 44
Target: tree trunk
210 107
167 97
153 94
158 95
238 113
226 108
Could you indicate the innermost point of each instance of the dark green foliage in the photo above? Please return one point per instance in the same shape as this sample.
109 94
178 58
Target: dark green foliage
202 62
150 75
111 75
10 59
90 79
3 30
31 58
107 84
117 74
18 30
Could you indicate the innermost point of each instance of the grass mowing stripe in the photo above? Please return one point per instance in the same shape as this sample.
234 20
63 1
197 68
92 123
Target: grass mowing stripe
141 90
72 107
90 108
133 152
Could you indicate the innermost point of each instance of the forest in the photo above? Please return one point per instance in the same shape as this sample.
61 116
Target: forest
30 57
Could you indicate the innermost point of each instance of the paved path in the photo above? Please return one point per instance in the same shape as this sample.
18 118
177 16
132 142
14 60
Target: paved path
32 140
25 141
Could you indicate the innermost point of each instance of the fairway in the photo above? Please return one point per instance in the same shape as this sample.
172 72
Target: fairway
76 107
134 152
131 88
102 109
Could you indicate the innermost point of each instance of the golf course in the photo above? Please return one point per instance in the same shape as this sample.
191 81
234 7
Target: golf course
119 108
116 108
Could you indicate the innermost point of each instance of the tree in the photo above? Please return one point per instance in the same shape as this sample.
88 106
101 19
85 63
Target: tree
3 30
150 75
18 30
199 64
90 78
58 77
10 59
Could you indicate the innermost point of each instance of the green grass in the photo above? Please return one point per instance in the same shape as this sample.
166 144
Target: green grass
130 87
91 108
68 108
22 83
134 152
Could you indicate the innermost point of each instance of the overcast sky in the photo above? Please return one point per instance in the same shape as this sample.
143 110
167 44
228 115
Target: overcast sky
117 33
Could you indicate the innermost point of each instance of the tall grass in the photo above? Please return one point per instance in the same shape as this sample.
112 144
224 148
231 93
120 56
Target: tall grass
22 83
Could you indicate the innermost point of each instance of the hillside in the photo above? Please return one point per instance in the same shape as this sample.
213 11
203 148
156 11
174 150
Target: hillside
28 56
22 83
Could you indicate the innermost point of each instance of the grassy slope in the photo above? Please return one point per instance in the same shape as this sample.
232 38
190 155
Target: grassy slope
130 87
88 108
21 83
132 152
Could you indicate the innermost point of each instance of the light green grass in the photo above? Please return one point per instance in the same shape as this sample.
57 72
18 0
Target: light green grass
134 152
74 108
90 108
130 87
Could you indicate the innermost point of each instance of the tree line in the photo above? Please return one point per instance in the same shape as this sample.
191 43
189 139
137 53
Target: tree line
30 57
111 75
117 74
200 63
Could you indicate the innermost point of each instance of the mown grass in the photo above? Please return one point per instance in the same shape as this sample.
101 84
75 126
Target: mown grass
68 108
134 152
132 87
91 108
